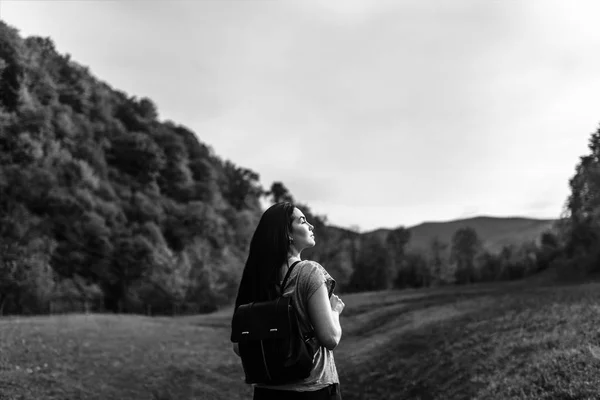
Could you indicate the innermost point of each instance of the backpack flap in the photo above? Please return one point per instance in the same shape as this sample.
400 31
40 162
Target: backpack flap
262 321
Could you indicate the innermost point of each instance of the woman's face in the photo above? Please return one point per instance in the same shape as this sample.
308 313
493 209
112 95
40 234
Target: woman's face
302 232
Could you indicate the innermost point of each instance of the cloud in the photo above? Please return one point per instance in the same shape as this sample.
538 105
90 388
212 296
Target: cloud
344 11
381 112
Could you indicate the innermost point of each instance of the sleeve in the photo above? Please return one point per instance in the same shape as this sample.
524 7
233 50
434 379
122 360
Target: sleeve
312 276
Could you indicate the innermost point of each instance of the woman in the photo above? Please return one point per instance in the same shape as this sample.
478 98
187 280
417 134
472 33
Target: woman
281 235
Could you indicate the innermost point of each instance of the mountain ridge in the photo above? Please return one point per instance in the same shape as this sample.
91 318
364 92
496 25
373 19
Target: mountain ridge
426 222
494 232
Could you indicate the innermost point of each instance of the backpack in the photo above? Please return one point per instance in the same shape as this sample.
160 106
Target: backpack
272 347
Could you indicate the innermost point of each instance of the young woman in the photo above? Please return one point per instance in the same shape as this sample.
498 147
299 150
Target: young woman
281 235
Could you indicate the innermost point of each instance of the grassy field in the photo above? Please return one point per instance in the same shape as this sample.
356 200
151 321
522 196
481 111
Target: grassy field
501 341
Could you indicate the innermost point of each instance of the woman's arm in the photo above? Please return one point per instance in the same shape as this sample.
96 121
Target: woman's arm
325 317
236 349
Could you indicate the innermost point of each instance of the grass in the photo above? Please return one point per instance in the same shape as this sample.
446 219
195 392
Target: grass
115 357
501 341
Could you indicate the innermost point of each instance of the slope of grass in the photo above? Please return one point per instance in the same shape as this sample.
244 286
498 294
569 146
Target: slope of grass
115 357
517 343
500 341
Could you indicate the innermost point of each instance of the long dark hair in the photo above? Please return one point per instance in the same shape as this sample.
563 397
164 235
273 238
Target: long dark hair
269 249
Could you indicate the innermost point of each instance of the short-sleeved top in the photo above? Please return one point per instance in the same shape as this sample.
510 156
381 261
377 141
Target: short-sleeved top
305 279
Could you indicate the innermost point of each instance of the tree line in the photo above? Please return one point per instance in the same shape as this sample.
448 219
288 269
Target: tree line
387 262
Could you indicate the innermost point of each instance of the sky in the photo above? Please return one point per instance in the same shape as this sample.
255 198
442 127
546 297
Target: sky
377 114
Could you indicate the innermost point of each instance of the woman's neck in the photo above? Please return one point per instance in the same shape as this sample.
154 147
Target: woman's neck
293 255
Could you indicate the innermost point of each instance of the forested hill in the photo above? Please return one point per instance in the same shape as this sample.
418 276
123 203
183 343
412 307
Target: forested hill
102 201
494 232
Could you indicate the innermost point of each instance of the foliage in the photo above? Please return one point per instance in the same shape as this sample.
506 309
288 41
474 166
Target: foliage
372 271
101 200
437 261
414 271
577 247
465 245
279 193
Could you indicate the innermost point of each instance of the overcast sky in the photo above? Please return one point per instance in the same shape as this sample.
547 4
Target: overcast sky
375 113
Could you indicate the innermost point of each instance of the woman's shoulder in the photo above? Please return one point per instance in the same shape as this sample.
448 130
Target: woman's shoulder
309 267
307 270
314 274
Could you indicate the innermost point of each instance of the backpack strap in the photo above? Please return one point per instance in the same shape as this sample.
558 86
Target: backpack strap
289 271
305 336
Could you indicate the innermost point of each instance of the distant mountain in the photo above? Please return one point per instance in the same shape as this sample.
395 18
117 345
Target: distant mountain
494 232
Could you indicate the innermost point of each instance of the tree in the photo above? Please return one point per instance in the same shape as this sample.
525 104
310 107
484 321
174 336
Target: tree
11 67
549 250
413 271
165 285
84 246
175 178
279 193
241 184
437 259
25 274
137 155
133 259
396 241
583 206
518 261
371 271
488 266
465 245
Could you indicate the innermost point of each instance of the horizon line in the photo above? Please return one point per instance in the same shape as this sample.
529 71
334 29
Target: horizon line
450 220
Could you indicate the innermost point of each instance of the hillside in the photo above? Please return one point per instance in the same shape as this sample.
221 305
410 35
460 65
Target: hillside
493 341
103 203
494 232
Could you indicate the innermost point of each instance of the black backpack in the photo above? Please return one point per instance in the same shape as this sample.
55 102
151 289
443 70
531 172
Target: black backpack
272 347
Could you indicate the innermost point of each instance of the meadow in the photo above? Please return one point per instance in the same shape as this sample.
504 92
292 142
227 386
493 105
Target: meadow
493 341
